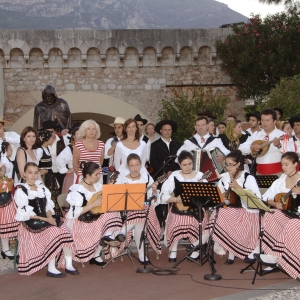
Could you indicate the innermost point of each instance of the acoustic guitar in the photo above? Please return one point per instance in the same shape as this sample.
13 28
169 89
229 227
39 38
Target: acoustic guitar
286 199
97 210
179 205
264 147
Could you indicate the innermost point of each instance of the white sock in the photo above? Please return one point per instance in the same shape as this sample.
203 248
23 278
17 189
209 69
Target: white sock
205 238
137 236
195 243
68 259
173 250
256 250
5 246
218 249
97 254
268 258
230 256
51 267
129 227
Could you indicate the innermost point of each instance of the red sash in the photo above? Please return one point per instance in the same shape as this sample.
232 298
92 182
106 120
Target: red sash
267 169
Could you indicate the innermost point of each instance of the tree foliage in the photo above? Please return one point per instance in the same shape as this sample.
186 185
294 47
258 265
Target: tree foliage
184 107
286 95
285 2
262 51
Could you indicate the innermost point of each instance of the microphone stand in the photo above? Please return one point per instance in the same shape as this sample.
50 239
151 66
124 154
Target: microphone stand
166 162
145 270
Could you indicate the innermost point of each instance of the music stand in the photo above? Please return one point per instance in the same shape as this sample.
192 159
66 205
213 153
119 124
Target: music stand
265 181
123 197
253 202
199 195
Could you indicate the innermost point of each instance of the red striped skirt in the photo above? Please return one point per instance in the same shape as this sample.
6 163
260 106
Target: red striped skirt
153 227
37 249
236 230
274 224
181 227
287 248
87 236
8 224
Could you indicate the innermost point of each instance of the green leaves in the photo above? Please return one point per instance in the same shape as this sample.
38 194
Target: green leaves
184 107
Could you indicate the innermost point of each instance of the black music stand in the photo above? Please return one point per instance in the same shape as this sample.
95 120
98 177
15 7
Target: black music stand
265 181
198 195
123 197
253 202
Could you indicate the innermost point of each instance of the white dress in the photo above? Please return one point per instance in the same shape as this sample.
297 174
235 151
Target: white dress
121 154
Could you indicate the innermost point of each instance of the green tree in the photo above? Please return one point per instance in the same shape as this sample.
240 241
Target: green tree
285 2
257 54
286 95
184 108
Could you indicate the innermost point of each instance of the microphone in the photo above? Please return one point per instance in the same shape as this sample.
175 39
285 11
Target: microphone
151 198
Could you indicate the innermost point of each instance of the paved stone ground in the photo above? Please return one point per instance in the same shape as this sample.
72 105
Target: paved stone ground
285 290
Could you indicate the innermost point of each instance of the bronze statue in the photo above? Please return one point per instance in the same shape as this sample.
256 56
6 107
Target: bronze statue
52 108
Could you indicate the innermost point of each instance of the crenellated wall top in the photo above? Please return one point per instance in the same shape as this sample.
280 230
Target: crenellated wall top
45 40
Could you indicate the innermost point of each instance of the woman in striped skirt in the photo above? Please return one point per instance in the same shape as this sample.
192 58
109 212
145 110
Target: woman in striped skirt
180 224
8 224
236 228
41 237
136 219
282 228
88 148
90 230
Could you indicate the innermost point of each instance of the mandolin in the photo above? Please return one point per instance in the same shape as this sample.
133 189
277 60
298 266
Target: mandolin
264 147
112 179
230 194
286 199
179 205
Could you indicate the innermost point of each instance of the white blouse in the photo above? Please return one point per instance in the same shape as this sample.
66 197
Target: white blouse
121 154
122 179
75 199
169 185
64 158
24 210
250 184
278 186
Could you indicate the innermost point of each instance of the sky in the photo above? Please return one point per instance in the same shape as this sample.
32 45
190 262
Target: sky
246 7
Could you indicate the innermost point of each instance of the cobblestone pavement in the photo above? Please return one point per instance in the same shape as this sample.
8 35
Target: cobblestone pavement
290 294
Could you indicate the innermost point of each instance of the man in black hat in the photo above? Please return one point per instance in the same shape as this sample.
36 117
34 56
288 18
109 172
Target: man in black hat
141 123
162 151
254 122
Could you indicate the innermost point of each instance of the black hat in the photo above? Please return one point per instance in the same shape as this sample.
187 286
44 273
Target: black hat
139 118
160 124
74 127
255 114
294 119
49 124
279 109
206 113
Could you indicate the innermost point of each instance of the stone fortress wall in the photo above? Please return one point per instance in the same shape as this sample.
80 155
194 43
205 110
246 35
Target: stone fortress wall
139 67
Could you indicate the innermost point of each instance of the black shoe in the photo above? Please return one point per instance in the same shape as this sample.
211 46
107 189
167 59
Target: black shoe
147 262
93 261
248 260
60 275
120 237
265 272
260 261
229 261
11 257
172 259
107 240
75 272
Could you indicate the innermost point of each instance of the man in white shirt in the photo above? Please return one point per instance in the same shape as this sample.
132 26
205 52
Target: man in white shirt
141 123
204 140
254 122
9 136
269 163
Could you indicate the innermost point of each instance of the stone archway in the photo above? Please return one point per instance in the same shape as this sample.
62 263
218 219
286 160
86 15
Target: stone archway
102 107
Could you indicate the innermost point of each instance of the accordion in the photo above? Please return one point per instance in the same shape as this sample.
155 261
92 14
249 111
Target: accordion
205 159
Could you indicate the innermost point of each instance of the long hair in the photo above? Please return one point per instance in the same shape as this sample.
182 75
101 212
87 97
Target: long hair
137 134
23 134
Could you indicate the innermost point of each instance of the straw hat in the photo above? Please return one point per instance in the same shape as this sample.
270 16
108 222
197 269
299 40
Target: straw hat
5 123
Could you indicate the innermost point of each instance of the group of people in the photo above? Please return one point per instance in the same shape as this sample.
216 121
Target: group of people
48 164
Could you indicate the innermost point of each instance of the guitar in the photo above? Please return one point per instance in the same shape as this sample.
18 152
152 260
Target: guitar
286 199
264 147
230 194
180 206
112 179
